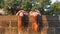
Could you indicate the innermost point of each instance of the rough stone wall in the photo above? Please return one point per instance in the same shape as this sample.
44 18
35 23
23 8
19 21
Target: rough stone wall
8 25
54 24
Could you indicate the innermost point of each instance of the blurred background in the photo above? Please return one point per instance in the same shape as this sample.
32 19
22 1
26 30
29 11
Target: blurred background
8 24
47 7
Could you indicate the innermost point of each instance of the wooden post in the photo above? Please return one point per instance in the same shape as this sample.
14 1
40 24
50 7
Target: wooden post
33 20
19 24
20 15
45 25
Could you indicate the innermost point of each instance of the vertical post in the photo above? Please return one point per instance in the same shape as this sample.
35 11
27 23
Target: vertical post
20 21
19 24
33 20
45 25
